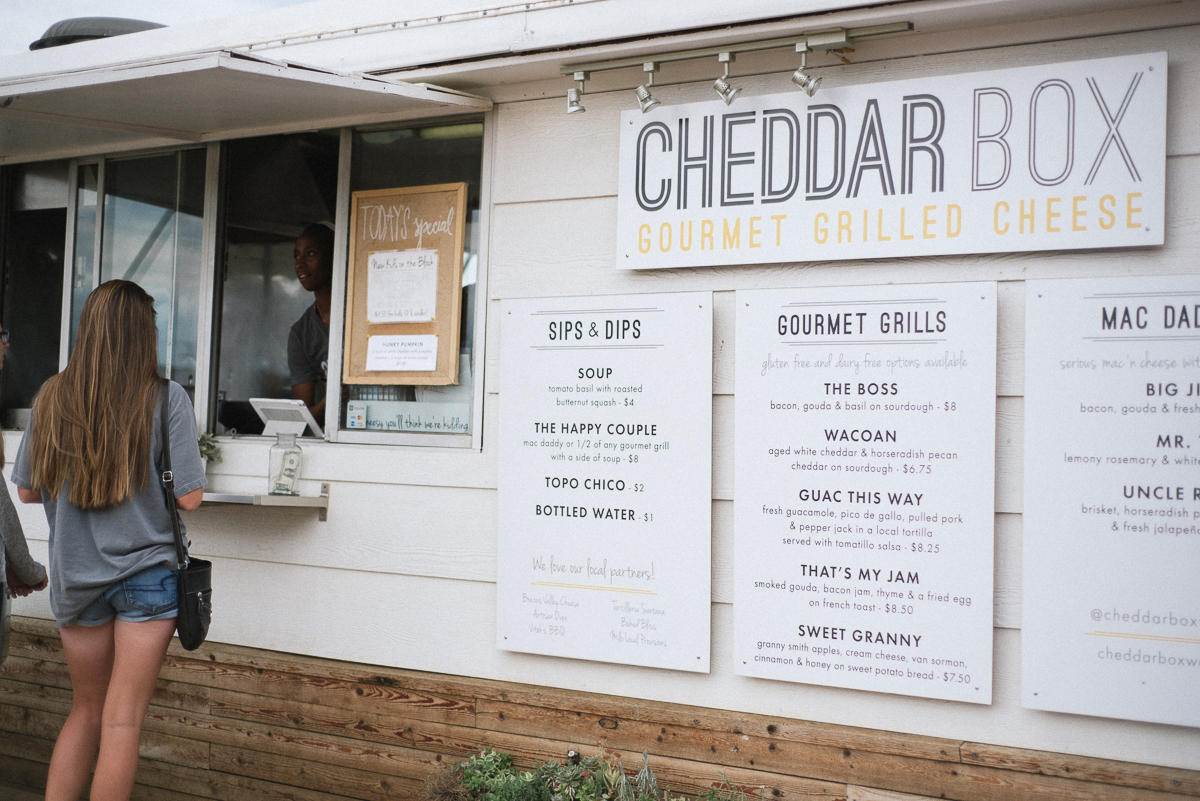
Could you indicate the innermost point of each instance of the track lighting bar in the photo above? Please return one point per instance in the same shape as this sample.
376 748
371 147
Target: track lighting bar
834 39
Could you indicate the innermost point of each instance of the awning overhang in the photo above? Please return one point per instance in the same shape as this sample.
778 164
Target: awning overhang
200 97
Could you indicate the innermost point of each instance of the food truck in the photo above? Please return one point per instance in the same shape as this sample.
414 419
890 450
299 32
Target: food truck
801 394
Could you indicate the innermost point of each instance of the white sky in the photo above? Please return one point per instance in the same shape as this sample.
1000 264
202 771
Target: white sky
25 21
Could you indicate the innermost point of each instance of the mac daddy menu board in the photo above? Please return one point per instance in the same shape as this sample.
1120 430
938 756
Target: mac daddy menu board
606 479
1111 571
865 453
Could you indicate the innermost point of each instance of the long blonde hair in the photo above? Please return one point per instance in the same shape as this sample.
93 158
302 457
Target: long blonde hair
92 422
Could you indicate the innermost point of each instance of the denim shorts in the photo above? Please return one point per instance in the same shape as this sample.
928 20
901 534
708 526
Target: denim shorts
151 594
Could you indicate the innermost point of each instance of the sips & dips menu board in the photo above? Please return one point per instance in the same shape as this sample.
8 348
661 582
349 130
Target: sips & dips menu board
605 489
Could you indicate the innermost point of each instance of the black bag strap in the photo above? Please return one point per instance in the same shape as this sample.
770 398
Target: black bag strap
168 477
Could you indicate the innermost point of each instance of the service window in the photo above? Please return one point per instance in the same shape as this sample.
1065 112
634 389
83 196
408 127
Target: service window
413 156
275 187
211 233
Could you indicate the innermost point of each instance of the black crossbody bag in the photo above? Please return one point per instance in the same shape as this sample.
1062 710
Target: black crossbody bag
195 575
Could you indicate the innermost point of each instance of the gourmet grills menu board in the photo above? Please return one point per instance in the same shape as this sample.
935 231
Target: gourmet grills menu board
606 479
1112 498
863 499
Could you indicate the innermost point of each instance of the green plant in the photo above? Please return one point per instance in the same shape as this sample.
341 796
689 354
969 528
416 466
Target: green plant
490 776
646 783
726 790
587 780
210 448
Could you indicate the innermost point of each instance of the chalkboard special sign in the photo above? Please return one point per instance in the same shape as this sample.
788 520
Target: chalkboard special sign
404 290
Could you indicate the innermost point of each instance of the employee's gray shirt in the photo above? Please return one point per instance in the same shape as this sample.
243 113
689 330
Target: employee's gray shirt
308 349
90 550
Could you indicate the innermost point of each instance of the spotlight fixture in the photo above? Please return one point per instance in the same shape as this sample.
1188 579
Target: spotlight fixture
574 104
645 99
835 41
721 85
806 82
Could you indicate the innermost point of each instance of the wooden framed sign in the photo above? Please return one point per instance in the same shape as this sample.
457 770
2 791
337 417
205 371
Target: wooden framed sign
404 289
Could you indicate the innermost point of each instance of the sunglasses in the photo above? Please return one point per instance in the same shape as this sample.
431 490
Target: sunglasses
4 336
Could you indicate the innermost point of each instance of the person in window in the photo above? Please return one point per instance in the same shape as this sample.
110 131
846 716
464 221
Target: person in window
308 343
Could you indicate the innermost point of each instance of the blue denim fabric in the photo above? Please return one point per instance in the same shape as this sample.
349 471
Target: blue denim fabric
151 594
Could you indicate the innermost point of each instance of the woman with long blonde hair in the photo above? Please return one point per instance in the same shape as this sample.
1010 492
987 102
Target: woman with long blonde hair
91 455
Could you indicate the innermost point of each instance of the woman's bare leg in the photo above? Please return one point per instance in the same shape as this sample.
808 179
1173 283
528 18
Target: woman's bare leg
89 652
138 657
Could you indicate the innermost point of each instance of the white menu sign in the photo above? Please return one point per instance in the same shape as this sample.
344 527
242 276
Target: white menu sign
864 487
401 352
1112 498
605 490
401 286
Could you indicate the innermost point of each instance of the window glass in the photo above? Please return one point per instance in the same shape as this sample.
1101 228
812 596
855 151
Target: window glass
275 187
421 156
153 236
83 271
35 233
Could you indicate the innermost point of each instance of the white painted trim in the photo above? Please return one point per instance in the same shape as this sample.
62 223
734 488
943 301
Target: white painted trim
337 313
472 15
237 62
208 277
98 252
64 344
64 327
229 93
479 347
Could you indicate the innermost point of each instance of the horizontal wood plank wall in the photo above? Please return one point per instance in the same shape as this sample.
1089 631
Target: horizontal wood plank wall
229 723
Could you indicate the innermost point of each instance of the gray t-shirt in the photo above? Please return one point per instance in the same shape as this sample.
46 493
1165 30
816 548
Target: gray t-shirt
308 349
90 550
14 551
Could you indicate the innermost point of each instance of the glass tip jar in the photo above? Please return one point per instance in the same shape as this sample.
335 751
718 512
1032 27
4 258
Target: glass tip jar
283 474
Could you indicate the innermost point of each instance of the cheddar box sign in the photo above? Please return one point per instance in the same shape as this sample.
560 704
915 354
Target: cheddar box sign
1052 157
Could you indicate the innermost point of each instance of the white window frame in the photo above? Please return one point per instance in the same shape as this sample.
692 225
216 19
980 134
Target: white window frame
208 272
64 338
212 170
333 432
